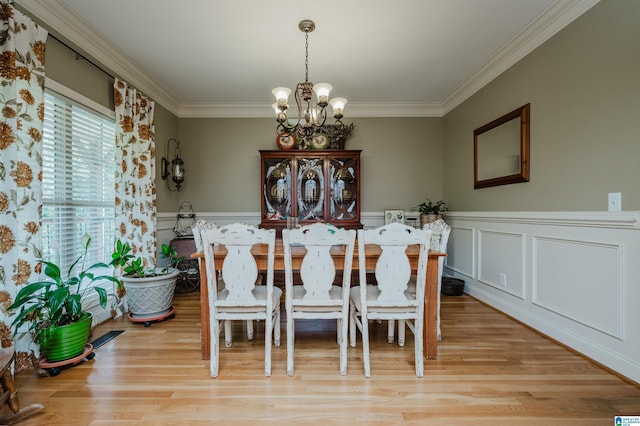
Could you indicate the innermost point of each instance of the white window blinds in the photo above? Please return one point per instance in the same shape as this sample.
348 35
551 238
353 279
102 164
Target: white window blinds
78 181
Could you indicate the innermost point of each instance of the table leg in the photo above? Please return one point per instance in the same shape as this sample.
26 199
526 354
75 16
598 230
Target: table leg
431 310
205 324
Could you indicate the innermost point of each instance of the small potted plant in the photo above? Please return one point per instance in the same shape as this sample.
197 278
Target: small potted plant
149 291
430 211
53 308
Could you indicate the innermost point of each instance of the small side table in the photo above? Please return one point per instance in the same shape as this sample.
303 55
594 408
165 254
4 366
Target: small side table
189 278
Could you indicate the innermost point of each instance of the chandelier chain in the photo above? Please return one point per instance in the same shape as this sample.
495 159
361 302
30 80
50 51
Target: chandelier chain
306 57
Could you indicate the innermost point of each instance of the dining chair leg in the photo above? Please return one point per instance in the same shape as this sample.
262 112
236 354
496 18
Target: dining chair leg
227 333
268 326
290 340
276 327
250 330
418 342
365 346
352 326
215 349
391 331
343 346
401 332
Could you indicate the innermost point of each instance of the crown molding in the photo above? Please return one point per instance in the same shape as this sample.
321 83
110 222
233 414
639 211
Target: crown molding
253 110
61 20
558 16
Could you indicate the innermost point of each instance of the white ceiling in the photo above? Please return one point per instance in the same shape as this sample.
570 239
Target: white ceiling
220 58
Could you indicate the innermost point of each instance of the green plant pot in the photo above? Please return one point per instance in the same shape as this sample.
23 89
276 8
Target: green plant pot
67 341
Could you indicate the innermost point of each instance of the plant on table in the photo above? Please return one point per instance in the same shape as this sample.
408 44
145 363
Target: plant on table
432 207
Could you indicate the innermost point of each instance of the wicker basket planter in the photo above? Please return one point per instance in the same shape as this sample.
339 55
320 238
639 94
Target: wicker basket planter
151 296
428 218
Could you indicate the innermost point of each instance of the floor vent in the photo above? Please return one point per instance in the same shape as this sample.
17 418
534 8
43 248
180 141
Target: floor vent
109 335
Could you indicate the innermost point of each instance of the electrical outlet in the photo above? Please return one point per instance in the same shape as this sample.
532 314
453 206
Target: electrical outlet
503 279
615 202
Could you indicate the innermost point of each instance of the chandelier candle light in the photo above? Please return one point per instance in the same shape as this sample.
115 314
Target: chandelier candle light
309 130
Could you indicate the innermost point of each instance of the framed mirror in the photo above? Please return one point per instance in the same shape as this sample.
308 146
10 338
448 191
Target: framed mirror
501 150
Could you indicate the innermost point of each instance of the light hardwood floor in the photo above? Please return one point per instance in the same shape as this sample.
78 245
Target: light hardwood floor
490 370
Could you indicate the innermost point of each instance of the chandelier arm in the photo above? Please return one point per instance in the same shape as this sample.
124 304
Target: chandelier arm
284 128
298 97
323 117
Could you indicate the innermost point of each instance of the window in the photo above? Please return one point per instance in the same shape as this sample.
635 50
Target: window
78 178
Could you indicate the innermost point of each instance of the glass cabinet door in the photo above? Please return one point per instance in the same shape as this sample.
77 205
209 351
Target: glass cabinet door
310 188
344 188
277 188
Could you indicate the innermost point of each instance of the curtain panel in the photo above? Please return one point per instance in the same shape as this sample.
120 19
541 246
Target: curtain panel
22 51
135 172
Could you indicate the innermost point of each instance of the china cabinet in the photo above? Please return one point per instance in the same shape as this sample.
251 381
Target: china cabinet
301 187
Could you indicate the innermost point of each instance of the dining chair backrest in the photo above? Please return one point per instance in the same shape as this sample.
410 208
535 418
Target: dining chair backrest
239 269
440 231
393 269
201 225
318 270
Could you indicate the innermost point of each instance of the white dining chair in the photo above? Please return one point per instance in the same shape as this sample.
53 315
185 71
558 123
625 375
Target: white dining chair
390 299
201 225
241 299
318 297
440 231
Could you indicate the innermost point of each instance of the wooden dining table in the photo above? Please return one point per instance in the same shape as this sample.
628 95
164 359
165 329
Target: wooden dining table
297 254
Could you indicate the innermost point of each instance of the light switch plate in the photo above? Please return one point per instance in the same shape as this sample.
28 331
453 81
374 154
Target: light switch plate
503 279
615 202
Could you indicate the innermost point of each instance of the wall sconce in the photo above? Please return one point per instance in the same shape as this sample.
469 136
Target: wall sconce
175 168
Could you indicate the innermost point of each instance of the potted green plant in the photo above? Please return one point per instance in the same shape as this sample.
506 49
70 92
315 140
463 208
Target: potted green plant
149 291
430 211
53 308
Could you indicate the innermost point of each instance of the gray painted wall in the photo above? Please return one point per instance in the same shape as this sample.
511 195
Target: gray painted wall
401 161
584 88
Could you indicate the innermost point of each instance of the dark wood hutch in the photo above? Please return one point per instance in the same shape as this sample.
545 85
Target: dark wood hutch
310 186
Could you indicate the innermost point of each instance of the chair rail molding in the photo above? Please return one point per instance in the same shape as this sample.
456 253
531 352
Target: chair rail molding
600 219
572 276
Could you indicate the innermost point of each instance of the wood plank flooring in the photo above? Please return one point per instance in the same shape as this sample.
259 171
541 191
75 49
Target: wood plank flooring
490 370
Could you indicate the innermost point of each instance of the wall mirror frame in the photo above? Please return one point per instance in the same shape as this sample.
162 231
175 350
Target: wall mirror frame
501 150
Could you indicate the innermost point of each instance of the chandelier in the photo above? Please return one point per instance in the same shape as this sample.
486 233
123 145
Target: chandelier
310 130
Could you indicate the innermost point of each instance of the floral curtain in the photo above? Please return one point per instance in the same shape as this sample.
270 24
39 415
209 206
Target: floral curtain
22 49
135 174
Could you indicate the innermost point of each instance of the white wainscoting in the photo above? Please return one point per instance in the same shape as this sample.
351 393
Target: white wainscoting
574 276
